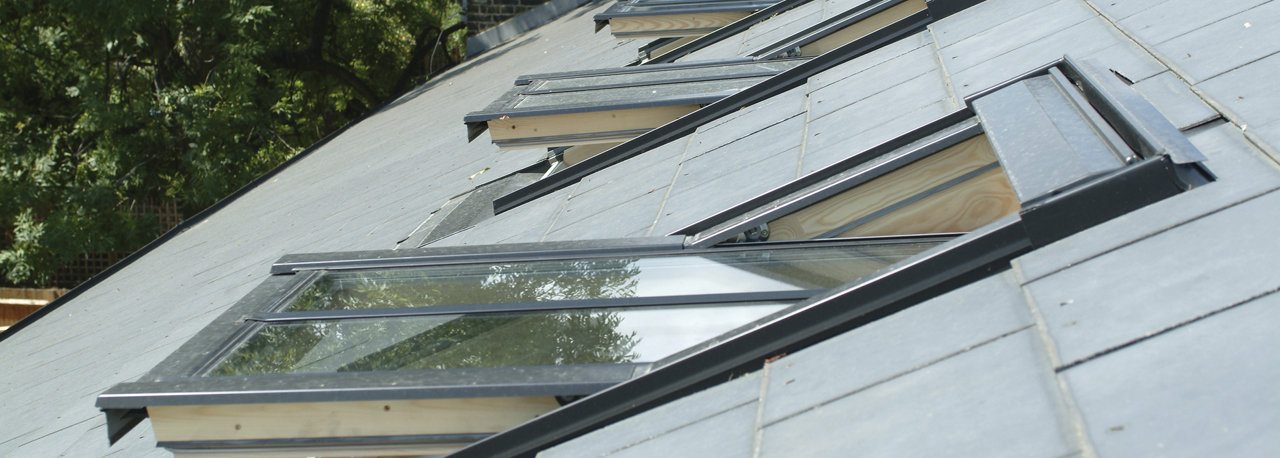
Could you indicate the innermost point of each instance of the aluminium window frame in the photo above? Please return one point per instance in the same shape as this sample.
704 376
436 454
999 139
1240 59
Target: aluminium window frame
506 105
1170 165
1141 128
782 82
180 379
687 124
642 8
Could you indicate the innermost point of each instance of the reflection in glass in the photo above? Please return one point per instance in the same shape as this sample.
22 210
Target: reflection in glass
535 281
589 336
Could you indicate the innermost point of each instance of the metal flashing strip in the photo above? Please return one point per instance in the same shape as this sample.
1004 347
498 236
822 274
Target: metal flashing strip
473 254
1141 126
277 444
563 380
578 304
778 84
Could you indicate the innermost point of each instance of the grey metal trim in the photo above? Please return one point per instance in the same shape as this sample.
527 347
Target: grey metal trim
660 136
1107 133
661 101
562 380
575 139
511 307
276 444
655 82
1136 120
911 200
473 254
829 181
824 28
663 33
528 79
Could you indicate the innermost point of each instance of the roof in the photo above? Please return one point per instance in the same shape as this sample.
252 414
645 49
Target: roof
1145 335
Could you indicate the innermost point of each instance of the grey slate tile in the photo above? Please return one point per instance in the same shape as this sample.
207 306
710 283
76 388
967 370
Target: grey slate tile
1205 389
1225 45
1244 93
782 105
1267 137
895 345
625 173
1120 9
1174 99
870 61
1130 60
583 205
692 204
781 27
669 417
903 74
981 17
1243 172
1161 281
1013 34
736 156
1093 38
526 223
1173 18
729 435
999 399
613 220
752 125
828 143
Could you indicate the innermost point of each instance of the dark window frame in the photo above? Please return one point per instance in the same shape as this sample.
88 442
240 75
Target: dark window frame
180 380
1168 165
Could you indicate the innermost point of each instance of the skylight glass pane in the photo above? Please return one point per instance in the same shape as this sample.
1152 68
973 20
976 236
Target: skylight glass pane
535 281
541 338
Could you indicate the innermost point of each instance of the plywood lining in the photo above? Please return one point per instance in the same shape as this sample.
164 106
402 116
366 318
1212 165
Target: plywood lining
863 28
670 46
596 122
962 208
896 186
673 25
581 153
344 419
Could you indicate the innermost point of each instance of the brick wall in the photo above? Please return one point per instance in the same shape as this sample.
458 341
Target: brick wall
485 14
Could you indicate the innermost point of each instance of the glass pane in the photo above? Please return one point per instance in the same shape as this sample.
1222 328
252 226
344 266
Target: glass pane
485 340
710 273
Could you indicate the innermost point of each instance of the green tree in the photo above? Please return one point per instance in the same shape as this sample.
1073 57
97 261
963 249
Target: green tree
107 104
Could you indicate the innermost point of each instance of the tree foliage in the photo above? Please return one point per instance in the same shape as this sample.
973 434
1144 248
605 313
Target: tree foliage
104 105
